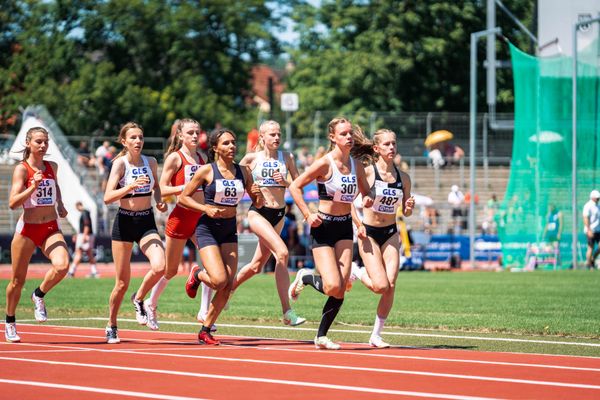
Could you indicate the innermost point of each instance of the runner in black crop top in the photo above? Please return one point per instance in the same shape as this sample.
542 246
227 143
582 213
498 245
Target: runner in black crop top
223 183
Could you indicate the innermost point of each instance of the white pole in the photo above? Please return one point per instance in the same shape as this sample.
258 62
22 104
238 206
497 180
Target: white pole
472 136
574 140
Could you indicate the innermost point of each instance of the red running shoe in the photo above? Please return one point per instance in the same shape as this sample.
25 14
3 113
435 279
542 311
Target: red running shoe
192 284
207 338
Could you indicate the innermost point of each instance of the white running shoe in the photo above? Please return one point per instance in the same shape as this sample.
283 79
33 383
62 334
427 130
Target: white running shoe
10 332
112 335
355 273
150 310
323 342
297 286
377 341
200 318
39 308
140 313
290 318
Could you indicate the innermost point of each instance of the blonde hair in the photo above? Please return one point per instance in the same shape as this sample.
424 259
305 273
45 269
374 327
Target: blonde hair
261 131
331 128
362 148
27 151
123 135
176 130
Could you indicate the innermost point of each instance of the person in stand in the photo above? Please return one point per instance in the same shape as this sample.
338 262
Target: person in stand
554 225
591 227
270 167
132 182
223 182
84 243
181 163
35 187
378 238
340 178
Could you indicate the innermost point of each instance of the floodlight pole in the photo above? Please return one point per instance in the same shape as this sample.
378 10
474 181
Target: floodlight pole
576 27
472 134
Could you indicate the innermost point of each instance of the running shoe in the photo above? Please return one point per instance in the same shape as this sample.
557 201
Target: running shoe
377 341
10 332
200 318
151 315
355 273
39 308
290 318
192 284
140 313
297 285
206 338
323 342
112 335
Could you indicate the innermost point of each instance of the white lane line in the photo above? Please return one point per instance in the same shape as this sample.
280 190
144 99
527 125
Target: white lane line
97 390
255 380
352 368
280 348
387 333
457 360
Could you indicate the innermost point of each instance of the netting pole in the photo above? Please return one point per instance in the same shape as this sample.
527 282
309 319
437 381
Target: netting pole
576 27
472 135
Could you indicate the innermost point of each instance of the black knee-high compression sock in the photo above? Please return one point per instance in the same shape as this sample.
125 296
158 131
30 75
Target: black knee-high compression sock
330 311
314 281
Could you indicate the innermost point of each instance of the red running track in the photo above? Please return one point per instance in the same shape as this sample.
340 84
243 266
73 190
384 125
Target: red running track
55 362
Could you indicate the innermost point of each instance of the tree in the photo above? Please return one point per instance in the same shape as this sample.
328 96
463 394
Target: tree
96 64
392 55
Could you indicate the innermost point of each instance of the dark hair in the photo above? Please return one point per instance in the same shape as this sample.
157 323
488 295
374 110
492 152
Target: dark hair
28 136
176 129
213 140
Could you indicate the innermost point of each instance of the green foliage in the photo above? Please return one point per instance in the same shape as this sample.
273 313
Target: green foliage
394 55
96 64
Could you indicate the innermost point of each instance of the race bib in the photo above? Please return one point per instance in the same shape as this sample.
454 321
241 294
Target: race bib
387 199
45 194
137 172
267 170
189 172
347 190
228 192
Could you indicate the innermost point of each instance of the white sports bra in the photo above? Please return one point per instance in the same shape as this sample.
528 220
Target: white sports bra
132 173
340 188
263 170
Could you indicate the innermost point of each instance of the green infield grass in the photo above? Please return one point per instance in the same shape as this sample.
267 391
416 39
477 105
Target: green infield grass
538 312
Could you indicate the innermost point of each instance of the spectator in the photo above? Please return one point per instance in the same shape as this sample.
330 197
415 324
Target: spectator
456 199
591 223
554 225
101 151
430 218
84 243
452 153
107 161
436 158
489 225
84 156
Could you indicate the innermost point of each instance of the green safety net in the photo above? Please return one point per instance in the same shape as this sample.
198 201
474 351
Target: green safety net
540 181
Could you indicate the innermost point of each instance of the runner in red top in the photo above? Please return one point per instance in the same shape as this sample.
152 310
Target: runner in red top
181 162
34 187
